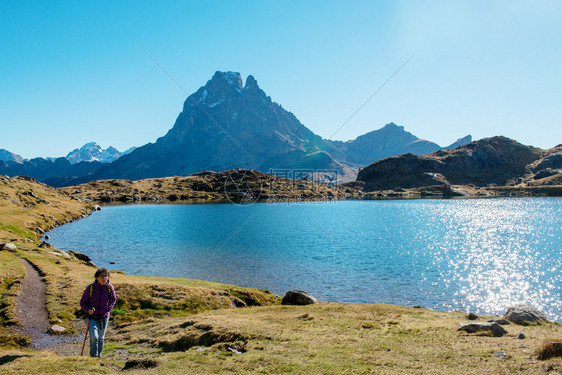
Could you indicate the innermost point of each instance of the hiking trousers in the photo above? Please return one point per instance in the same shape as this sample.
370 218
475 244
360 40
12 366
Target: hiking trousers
97 335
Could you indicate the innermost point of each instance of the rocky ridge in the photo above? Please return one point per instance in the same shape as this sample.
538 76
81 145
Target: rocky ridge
491 166
209 186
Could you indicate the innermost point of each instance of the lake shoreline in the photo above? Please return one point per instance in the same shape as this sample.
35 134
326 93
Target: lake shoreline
181 267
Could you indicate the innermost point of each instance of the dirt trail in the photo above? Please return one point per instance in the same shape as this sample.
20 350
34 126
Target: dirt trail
31 311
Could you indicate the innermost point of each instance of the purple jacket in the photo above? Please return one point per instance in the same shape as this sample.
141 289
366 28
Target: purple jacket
100 301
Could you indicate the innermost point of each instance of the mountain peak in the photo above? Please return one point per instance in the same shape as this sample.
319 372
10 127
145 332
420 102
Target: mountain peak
231 78
392 126
250 82
6 155
93 152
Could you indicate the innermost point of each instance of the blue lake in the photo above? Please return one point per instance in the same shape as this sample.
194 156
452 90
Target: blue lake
478 255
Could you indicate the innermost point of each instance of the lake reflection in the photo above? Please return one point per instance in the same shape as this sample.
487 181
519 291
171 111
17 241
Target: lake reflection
477 255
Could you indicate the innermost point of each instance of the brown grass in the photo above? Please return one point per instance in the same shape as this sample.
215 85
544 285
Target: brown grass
190 326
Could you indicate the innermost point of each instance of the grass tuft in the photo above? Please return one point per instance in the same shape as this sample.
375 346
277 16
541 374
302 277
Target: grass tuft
550 349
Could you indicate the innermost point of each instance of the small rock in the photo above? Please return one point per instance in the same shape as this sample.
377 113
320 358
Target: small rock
298 297
8 246
111 262
500 354
96 207
523 313
47 237
520 336
472 316
57 329
493 328
60 254
233 350
40 231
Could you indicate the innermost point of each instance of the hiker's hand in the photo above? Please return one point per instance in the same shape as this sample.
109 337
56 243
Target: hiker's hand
91 311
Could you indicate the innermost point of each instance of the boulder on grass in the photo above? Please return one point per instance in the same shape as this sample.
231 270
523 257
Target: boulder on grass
80 256
523 313
493 328
8 246
298 297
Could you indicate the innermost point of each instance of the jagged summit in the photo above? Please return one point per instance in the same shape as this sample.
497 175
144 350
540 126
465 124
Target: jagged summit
231 78
223 88
91 151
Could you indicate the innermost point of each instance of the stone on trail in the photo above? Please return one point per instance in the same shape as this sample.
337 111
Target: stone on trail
520 336
57 329
523 313
472 316
298 297
493 328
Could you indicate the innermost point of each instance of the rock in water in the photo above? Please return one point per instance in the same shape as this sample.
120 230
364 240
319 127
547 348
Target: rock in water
494 328
298 297
522 313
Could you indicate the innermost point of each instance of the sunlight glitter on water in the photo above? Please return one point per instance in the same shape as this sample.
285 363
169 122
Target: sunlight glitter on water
496 265
478 255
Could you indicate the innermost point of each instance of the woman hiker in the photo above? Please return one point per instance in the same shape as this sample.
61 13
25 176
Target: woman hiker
97 301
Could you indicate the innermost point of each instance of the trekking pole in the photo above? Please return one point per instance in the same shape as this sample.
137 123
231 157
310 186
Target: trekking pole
85 337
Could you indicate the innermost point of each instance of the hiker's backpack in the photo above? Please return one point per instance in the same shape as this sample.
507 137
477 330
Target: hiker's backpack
92 291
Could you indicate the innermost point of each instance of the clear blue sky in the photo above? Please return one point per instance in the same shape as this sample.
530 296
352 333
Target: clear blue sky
78 71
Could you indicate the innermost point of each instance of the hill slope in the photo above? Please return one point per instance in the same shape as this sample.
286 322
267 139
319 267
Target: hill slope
491 161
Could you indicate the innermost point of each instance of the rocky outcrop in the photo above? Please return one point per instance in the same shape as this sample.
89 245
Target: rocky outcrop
524 313
490 161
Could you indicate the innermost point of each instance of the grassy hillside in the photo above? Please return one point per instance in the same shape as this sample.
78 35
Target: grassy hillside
192 326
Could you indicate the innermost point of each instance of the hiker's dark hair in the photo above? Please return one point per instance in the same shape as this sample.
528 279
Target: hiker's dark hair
100 271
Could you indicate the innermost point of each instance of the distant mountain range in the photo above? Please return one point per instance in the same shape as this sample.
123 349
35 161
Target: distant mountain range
93 152
6 155
89 152
227 124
